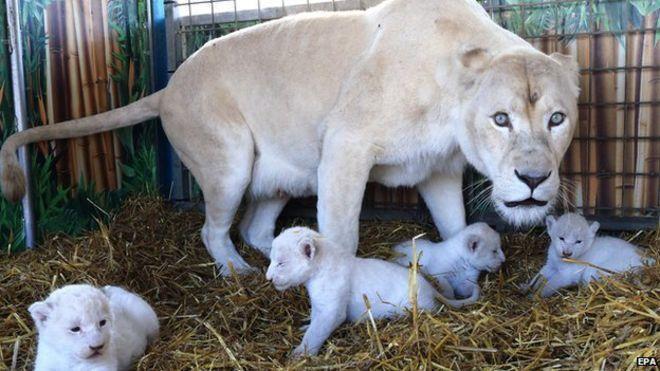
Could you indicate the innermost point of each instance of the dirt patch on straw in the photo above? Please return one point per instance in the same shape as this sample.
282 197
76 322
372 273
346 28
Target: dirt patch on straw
210 322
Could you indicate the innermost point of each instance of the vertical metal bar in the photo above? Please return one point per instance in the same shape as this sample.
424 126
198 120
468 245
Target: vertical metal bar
20 113
158 43
235 16
214 31
592 28
621 211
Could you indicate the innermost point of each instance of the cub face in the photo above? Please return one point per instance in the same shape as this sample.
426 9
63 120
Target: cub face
571 235
292 258
483 247
74 320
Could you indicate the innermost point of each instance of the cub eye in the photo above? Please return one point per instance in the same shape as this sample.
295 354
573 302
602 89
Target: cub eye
561 238
102 323
578 241
557 119
502 119
75 329
280 264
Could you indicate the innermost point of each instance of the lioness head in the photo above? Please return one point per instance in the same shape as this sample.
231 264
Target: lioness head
572 235
519 120
292 257
75 321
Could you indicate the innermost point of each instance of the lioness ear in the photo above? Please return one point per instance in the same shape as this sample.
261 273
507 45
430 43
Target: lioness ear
569 63
593 227
308 247
475 58
40 311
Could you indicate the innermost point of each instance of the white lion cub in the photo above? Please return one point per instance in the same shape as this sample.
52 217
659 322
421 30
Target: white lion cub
574 238
457 262
85 328
337 283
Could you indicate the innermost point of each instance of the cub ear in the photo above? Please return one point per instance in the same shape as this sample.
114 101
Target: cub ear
550 221
40 311
593 227
308 248
475 58
472 243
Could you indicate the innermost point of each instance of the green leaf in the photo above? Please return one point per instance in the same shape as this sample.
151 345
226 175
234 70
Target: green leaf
646 7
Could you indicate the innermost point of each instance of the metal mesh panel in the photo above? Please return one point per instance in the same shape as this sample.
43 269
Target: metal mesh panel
612 168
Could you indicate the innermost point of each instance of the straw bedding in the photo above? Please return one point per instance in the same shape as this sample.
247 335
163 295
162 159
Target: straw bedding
210 322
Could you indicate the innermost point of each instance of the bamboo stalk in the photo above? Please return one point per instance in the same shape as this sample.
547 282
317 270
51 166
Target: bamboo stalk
54 80
77 147
94 20
644 119
574 162
604 118
620 121
84 61
109 38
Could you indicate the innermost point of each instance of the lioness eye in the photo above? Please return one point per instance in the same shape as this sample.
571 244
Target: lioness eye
561 238
75 329
557 119
502 119
102 323
578 241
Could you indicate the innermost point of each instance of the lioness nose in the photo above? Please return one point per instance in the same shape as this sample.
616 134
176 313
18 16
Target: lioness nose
532 180
97 347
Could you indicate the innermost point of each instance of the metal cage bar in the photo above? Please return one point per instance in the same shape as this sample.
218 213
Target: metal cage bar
20 112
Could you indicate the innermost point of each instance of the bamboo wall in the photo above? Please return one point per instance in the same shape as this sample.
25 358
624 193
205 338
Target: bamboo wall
81 57
91 67
79 65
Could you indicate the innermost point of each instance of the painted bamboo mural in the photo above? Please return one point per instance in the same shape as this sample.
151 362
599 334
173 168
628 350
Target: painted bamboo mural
90 73
81 57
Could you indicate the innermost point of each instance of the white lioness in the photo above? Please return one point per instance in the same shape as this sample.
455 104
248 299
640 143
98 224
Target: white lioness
457 262
574 238
82 328
405 94
338 282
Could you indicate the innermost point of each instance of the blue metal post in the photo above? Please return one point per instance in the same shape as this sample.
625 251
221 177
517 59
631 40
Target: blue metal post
166 156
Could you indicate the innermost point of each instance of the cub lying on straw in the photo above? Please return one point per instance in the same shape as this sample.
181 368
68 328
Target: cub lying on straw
84 328
457 262
589 257
338 282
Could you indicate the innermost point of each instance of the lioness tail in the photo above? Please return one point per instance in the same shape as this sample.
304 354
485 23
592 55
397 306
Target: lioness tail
12 180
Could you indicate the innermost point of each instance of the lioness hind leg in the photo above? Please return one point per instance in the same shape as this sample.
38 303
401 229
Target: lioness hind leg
223 184
221 205
258 225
